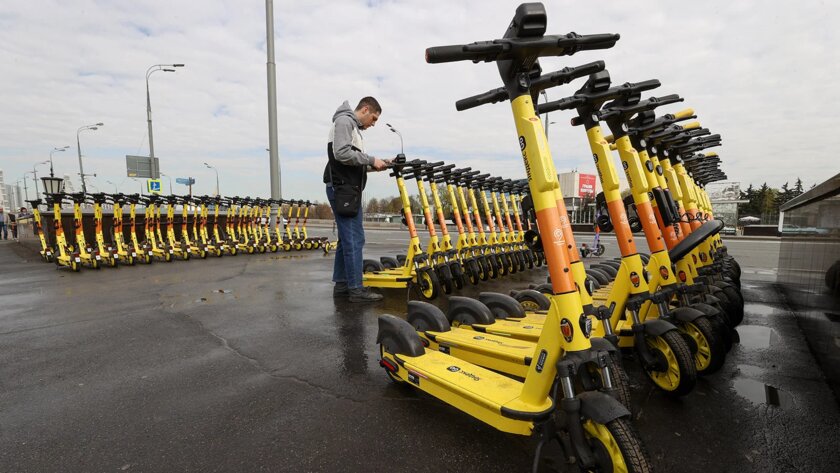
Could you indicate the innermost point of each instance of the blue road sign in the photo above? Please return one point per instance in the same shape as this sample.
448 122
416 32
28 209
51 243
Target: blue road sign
187 181
153 186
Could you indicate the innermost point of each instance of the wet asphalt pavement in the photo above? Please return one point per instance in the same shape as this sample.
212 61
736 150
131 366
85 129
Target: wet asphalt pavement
247 364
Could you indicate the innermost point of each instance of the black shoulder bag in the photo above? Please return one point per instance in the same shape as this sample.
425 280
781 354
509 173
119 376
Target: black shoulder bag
348 197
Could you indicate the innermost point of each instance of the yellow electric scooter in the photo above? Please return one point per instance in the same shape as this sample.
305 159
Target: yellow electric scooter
107 252
46 250
124 250
65 255
417 269
90 256
597 442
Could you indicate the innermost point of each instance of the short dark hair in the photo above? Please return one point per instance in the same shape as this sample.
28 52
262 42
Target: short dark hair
370 103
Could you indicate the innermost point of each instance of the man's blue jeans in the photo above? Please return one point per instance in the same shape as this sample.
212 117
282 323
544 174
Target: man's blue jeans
5 232
351 244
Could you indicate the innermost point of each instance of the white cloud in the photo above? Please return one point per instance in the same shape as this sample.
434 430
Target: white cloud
760 75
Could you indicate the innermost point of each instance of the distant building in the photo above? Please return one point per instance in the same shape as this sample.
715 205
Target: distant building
725 197
5 203
579 191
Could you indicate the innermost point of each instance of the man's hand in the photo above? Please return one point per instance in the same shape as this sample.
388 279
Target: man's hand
379 164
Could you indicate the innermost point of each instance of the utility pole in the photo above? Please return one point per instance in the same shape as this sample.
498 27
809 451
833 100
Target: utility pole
274 160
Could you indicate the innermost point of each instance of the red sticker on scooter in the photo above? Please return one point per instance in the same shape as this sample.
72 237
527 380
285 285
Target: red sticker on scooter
663 271
634 278
566 329
682 276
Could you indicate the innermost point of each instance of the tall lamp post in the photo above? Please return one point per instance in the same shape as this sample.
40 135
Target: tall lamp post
63 148
116 191
35 172
170 181
79 149
217 178
149 72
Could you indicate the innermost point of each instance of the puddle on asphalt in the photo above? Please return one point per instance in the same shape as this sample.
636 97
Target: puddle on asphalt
832 316
751 371
761 393
756 336
760 309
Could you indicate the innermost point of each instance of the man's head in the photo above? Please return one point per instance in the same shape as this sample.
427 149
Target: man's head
368 112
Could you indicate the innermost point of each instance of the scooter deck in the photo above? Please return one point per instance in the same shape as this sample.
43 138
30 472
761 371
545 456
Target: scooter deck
504 354
484 394
511 328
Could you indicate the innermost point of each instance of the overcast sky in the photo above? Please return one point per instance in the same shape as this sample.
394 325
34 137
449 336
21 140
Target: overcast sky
762 74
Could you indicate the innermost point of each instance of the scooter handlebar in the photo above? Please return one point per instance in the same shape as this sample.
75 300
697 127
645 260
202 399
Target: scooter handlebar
511 48
684 114
563 76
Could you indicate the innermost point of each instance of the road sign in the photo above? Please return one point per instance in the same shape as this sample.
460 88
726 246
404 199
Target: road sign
187 181
153 186
142 166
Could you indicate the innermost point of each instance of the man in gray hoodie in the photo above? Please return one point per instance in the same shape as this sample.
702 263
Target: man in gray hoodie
348 164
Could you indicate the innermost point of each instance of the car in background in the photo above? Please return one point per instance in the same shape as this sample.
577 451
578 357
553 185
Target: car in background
728 230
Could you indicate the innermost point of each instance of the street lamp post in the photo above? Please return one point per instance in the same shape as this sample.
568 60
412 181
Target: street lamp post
116 191
35 172
79 149
149 72
217 178
63 148
170 181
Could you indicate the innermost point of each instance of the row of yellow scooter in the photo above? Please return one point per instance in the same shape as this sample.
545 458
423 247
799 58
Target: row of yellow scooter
239 224
491 241
548 365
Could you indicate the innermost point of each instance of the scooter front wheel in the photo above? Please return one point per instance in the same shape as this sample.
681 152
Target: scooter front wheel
616 446
679 374
473 272
445 278
428 282
711 353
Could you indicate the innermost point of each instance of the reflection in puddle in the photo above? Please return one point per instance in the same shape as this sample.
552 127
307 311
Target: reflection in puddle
759 309
760 393
756 336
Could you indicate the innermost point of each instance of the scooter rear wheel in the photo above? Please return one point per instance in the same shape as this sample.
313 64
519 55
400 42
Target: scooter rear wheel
473 272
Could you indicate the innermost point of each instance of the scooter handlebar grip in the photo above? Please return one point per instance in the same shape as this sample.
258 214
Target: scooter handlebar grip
589 42
645 85
668 99
491 96
684 113
453 53
691 126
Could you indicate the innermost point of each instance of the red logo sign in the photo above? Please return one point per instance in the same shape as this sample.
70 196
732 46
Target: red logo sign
586 185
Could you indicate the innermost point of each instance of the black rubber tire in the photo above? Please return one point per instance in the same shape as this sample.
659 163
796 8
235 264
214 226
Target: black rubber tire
529 258
371 266
714 345
484 268
493 266
684 362
599 276
532 300
428 284
629 443
457 271
473 272
444 276
621 382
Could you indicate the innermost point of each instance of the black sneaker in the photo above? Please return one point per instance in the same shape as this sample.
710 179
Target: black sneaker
364 295
341 290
